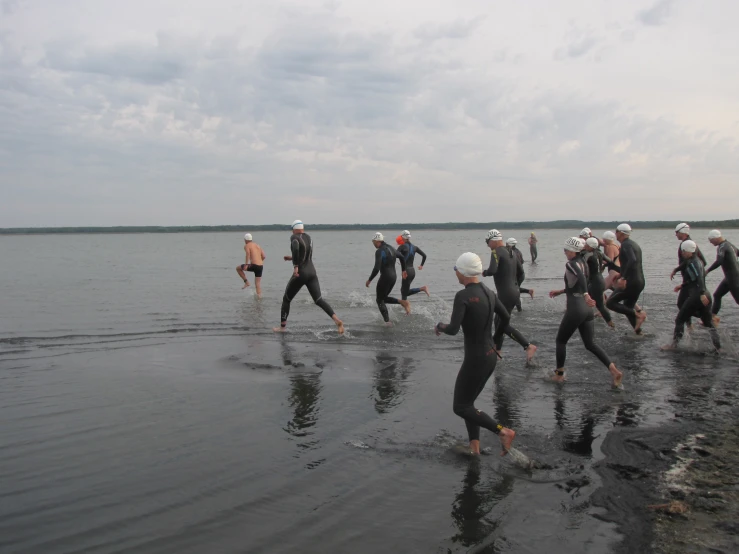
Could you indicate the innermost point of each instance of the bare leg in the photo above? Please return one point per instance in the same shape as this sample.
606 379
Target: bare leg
339 324
425 289
640 317
243 276
530 351
475 447
406 306
616 374
258 283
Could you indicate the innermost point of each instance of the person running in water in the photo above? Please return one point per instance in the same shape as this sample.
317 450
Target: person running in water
631 284
682 233
726 259
408 252
304 274
385 257
254 262
696 301
520 272
475 308
502 268
595 260
532 247
579 313
611 249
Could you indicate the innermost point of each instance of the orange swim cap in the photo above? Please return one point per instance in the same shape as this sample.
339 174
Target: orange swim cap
399 240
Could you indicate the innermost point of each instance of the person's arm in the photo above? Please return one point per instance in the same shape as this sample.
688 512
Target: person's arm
378 263
264 256
295 251
423 255
493 267
720 253
248 256
458 310
701 256
401 257
504 320
520 273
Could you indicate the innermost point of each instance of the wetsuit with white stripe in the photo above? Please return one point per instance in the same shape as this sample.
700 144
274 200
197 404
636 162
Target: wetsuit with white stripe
301 248
694 283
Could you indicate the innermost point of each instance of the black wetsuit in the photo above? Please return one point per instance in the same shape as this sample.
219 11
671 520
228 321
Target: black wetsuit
595 261
408 252
385 257
301 247
623 301
503 268
683 294
726 258
520 272
578 316
694 280
474 310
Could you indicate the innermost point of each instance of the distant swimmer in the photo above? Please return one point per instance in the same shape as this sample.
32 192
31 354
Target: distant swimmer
503 265
304 274
682 233
254 262
587 233
520 272
474 309
726 259
631 284
596 261
533 241
611 249
408 252
697 301
385 258
579 313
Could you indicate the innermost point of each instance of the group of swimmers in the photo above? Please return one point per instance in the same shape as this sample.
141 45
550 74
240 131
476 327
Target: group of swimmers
484 315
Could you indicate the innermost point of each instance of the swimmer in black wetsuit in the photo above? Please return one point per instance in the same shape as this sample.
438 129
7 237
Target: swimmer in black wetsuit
520 272
474 310
726 259
385 257
408 252
596 261
503 269
696 301
579 313
304 274
682 233
631 283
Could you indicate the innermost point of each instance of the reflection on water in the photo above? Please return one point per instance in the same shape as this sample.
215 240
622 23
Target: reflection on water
474 502
304 400
390 380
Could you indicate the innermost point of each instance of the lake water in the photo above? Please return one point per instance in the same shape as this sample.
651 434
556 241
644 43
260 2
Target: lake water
147 406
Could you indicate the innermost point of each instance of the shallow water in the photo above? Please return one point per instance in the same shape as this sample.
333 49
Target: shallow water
148 407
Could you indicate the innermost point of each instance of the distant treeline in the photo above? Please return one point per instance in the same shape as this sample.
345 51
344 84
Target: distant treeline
561 224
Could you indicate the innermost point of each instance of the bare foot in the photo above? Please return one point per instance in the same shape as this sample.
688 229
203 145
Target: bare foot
640 317
279 329
340 326
530 351
598 314
716 320
671 346
406 306
425 289
388 324
246 284
506 437
475 448
616 374
611 324
558 378
531 293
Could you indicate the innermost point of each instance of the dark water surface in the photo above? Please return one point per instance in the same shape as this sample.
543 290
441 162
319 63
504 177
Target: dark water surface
146 405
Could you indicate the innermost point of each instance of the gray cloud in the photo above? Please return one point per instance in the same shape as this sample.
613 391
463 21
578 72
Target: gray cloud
657 14
457 29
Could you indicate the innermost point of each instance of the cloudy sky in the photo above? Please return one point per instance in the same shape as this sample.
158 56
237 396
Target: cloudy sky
164 112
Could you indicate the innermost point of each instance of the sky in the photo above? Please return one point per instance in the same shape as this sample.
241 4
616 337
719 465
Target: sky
163 112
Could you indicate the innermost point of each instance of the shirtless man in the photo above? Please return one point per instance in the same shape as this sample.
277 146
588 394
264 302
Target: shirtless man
611 250
254 262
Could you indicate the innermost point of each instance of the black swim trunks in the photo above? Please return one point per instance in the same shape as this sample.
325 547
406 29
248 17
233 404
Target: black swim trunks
254 268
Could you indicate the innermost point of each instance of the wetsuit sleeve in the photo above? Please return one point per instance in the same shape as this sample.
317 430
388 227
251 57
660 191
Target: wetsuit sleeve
720 254
295 251
493 267
701 256
401 257
505 318
520 274
378 263
423 255
694 274
458 311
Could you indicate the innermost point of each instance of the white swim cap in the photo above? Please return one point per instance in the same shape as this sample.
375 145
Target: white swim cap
586 232
574 244
297 224
625 228
379 236
406 234
511 242
688 246
609 235
247 236
682 228
592 242
493 234
469 264
715 234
